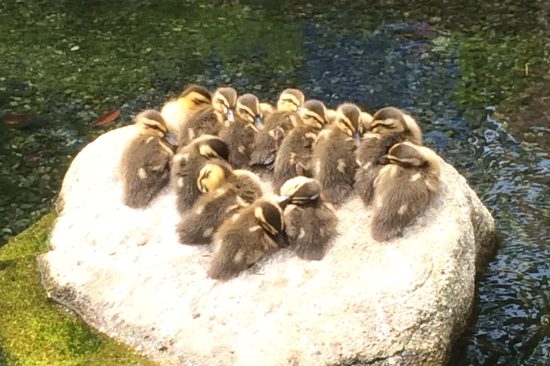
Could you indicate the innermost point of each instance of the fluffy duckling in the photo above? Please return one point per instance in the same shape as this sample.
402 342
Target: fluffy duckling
246 237
333 158
187 163
294 155
276 127
209 119
403 188
225 192
310 222
388 127
145 163
177 110
239 136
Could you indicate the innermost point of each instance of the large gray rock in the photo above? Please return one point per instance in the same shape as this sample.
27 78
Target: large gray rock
402 302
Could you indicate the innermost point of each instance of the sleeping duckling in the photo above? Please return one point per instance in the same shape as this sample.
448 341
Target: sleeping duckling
239 136
403 188
246 237
225 192
188 161
177 110
333 157
389 126
310 222
276 127
145 163
294 155
209 119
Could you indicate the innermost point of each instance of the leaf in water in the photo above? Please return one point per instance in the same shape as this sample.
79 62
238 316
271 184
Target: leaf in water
12 119
108 118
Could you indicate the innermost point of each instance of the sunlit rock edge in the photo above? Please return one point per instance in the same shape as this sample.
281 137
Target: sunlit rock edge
400 302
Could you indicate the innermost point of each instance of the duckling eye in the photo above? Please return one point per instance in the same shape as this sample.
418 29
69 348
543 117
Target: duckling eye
245 112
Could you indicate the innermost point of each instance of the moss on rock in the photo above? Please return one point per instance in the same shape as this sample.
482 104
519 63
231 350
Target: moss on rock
34 330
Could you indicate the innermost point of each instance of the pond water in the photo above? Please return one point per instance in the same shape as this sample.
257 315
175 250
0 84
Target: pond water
65 63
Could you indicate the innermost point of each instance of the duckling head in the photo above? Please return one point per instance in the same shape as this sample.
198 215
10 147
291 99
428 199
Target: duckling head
270 217
300 190
348 120
211 177
248 109
290 100
314 114
150 122
212 147
224 100
195 97
410 155
389 120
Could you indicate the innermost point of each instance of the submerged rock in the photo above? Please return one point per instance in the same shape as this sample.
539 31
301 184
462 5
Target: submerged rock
399 302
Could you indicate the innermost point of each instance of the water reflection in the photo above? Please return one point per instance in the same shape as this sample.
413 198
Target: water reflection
448 67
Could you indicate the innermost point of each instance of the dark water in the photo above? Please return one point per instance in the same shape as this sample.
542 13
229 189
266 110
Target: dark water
64 64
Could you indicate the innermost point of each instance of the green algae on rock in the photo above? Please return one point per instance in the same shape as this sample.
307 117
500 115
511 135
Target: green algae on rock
33 329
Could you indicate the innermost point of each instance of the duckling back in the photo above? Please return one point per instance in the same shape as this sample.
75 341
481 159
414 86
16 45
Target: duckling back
403 191
334 164
294 155
310 228
245 238
145 168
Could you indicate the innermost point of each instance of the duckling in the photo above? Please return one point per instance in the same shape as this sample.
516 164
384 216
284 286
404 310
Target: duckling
225 192
209 119
403 188
186 164
239 136
246 237
145 163
388 126
276 127
177 110
310 222
294 155
333 157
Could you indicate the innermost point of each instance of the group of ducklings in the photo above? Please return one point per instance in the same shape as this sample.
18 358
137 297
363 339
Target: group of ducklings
211 147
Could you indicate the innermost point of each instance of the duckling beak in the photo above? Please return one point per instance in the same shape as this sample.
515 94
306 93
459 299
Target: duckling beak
357 138
282 239
170 138
259 122
230 115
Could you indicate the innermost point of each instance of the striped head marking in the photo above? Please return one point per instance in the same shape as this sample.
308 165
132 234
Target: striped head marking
409 155
290 100
150 122
248 109
301 190
348 120
195 96
224 100
314 114
389 120
270 217
210 177
212 147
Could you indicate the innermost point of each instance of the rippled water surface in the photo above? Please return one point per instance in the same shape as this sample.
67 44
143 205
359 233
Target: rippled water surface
65 63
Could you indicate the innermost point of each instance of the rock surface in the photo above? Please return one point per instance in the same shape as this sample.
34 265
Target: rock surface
402 302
